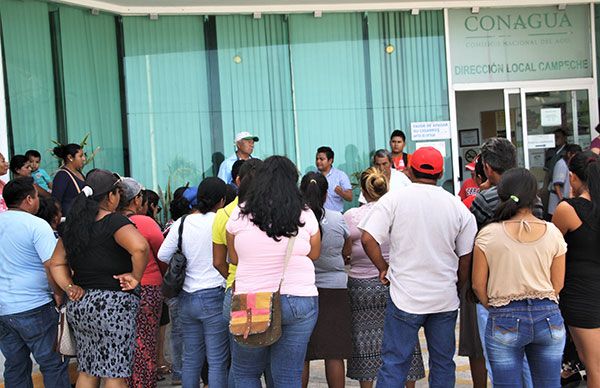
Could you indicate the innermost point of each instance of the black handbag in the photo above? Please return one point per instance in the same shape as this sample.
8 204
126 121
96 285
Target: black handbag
175 275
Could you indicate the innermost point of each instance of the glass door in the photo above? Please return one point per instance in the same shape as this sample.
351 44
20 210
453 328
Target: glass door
552 119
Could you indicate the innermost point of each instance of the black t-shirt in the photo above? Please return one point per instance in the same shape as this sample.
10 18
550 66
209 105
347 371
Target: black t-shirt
103 257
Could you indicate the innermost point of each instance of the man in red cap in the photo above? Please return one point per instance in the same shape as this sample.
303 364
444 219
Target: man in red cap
431 235
469 187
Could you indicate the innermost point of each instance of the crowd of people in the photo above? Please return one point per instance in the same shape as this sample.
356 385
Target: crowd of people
353 288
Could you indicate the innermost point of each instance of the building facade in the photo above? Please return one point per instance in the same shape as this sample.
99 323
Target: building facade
163 96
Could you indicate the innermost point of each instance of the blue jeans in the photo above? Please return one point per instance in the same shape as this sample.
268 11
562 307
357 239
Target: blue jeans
205 336
533 327
286 356
227 317
400 335
176 339
482 318
32 332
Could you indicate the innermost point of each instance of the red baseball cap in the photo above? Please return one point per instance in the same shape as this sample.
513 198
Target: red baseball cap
471 166
427 160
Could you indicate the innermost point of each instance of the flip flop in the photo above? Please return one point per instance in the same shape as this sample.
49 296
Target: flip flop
164 369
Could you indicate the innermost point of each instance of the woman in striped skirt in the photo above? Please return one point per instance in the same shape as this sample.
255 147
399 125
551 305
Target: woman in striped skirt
368 296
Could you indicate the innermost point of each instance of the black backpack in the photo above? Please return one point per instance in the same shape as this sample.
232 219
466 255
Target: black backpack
175 275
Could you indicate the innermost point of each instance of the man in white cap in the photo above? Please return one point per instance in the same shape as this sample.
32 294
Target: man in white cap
244 142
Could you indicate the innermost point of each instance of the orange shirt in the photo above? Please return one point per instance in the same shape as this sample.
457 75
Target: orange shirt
399 161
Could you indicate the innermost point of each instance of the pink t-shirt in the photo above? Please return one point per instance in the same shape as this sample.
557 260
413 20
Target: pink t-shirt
361 267
260 258
3 206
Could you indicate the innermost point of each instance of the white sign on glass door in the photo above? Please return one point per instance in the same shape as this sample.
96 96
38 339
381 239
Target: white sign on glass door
551 117
430 130
541 141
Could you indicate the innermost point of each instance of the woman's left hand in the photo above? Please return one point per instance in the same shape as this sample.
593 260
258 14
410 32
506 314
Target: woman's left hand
127 281
75 293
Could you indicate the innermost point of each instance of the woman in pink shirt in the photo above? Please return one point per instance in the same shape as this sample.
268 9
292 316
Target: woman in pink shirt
148 316
368 296
257 237
3 171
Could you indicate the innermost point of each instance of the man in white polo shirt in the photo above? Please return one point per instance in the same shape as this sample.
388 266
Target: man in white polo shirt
431 235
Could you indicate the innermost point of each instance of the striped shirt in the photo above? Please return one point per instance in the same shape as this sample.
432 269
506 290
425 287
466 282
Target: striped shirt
485 204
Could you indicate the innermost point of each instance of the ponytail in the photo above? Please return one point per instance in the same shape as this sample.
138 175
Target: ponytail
373 183
517 190
99 184
594 187
586 166
314 191
78 225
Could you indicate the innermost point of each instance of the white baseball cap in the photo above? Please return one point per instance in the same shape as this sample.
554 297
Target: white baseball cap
245 136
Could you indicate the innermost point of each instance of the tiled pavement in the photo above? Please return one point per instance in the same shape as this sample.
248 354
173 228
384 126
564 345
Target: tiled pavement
463 374
317 375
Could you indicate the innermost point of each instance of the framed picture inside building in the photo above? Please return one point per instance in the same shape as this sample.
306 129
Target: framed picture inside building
468 137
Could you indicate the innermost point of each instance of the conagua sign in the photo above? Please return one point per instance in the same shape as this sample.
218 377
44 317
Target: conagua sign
518 44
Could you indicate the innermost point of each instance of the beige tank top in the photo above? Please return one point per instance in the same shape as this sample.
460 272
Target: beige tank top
519 270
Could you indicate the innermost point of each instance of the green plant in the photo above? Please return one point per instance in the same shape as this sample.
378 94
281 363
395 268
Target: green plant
165 198
181 173
162 203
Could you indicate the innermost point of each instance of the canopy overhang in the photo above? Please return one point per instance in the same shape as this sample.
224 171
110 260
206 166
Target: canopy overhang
216 7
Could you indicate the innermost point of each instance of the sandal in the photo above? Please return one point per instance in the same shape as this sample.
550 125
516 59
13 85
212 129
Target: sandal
164 369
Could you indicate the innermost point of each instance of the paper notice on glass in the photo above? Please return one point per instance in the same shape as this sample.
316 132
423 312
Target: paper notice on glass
540 141
536 158
430 130
438 145
551 117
